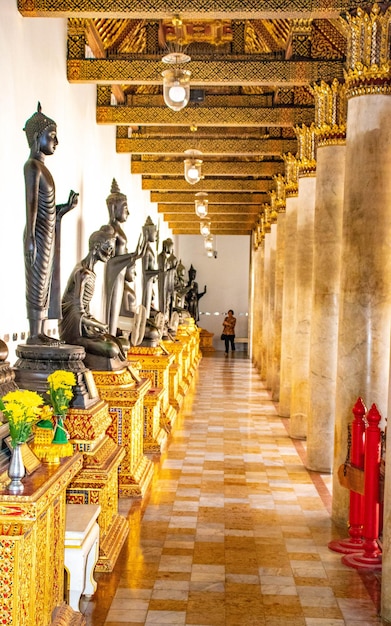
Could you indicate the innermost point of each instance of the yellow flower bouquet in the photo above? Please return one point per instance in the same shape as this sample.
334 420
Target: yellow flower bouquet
22 408
60 392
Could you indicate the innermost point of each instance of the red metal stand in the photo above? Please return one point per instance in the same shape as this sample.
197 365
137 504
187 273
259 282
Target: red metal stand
355 525
370 557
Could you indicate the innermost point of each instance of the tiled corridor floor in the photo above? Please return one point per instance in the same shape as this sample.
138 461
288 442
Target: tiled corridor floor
234 529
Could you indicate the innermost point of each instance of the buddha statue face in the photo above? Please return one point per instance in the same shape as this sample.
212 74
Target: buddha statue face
47 140
121 211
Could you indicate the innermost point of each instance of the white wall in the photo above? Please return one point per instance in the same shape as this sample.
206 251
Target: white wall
226 278
33 68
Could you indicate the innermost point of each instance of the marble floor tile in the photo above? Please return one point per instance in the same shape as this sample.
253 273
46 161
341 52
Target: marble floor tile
233 530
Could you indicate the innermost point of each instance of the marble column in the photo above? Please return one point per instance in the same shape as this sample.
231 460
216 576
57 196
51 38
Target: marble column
288 305
278 295
256 301
303 308
271 278
325 306
365 306
265 306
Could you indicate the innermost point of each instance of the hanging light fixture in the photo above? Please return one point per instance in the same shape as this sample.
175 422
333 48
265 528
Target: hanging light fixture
193 166
208 243
176 81
201 203
205 228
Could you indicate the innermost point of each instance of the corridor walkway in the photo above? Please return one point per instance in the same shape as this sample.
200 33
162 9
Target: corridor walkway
234 530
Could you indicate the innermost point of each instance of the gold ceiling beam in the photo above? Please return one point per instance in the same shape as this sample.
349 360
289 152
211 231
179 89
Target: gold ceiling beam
217 231
217 198
228 71
188 9
214 209
210 168
204 115
219 184
234 146
215 218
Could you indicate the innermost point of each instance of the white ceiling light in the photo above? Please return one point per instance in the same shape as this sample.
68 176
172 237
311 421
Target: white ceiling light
193 166
201 203
205 228
208 243
176 81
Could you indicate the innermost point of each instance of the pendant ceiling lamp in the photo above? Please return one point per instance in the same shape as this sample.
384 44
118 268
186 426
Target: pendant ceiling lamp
201 203
176 81
193 166
205 228
208 243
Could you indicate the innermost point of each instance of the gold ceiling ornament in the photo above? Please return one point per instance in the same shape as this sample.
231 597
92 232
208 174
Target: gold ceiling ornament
368 53
280 193
273 214
291 175
330 113
306 152
267 219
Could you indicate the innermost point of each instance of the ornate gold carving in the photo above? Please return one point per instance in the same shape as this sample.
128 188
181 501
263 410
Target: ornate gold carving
223 198
226 71
306 150
368 58
210 168
215 184
231 9
187 210
330 113
291 175
200 116
279 201
230 146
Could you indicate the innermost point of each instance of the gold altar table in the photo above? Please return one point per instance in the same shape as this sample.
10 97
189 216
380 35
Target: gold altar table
32 535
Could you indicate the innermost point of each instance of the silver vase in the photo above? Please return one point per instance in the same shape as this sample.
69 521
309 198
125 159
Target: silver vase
16 470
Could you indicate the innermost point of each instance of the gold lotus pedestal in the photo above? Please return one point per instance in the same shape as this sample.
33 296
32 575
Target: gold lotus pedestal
124 391
32 536
154 364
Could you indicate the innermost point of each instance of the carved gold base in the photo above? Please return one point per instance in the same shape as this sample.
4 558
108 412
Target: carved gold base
155 433
206 341
64 615
97 483
111 544
136 485
125 391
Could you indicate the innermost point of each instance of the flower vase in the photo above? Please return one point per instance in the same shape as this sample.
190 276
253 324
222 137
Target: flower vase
60 439
16 470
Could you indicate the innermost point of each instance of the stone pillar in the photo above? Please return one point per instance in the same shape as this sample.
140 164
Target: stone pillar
266 294
303 280
271 280
289 287
256 300
330 114
279 206
365 301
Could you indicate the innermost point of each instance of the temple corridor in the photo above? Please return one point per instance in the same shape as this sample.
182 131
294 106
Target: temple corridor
234 529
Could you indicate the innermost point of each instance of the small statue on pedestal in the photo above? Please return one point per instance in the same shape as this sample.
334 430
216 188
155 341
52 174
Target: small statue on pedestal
193 295
42 232
78 326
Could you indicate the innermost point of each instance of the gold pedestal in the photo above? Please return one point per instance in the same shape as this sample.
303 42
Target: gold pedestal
97 482
206 341
124 391
176 391
32 536
154 364
155 437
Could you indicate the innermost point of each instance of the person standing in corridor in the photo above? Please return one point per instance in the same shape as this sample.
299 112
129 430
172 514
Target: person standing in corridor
229 331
